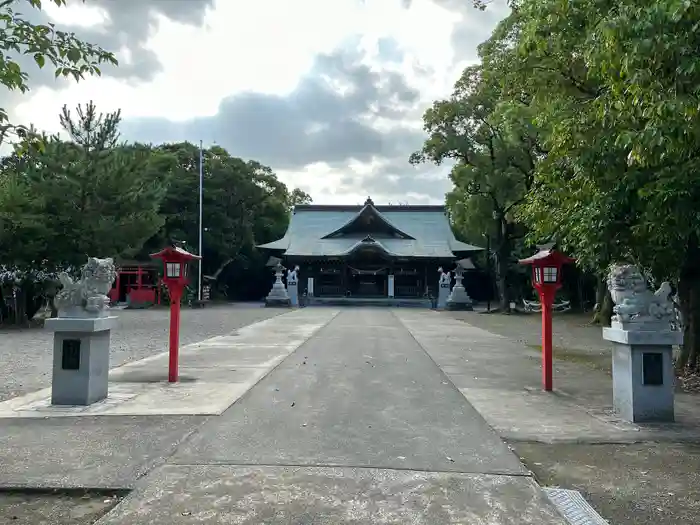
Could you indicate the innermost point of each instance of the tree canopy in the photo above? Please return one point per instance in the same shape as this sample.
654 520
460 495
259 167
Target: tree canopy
582 117
94 194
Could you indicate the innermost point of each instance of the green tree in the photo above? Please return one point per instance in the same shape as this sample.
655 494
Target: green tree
103 198
69 199
68 55
299 197
244 204
494 163
614 88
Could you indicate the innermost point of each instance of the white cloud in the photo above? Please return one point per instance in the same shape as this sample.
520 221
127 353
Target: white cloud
77 15
265 46
262 46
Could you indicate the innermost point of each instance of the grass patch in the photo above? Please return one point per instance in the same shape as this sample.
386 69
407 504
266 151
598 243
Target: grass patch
600 363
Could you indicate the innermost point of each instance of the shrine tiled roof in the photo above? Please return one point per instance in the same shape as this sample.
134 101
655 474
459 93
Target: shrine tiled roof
422 231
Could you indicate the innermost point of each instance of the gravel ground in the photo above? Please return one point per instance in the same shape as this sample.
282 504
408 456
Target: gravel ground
573 338
639 484
569 330
26 354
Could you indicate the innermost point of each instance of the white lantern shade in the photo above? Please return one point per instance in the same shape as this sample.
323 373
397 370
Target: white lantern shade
537 274
172 270
550 274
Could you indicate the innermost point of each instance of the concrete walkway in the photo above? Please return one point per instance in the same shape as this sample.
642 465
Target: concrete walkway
358 425
214 373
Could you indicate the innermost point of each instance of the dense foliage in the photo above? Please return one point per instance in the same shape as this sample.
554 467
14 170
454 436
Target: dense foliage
94 195
581 120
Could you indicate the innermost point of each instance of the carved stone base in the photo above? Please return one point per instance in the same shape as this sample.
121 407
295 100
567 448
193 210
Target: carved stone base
443 294
278 296
293 292
283 303
80 359
643 377
641 325
460 307
459 300
78 312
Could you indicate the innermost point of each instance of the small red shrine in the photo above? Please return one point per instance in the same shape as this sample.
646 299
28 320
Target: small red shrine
137 284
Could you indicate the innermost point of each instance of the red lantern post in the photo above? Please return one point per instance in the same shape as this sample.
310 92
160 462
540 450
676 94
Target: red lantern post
546 279
175 263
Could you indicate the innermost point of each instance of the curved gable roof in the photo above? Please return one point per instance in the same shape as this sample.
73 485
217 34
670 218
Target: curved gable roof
426 226
368 212
368 243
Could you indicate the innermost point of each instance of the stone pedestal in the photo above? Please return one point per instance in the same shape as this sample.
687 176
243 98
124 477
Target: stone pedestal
278 296
293 292
80 359
458 298
643 376
443 294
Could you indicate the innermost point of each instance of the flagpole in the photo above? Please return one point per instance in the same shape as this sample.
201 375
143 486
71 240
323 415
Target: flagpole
201 187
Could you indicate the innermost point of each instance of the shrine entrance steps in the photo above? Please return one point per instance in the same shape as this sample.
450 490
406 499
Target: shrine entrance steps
388 302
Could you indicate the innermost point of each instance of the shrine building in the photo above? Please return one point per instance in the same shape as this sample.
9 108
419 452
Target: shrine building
369 251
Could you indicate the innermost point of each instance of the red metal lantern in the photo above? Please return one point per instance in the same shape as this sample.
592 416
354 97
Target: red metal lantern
546 279
175 265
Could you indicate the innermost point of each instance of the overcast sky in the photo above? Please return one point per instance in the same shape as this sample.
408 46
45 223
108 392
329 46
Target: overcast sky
330 94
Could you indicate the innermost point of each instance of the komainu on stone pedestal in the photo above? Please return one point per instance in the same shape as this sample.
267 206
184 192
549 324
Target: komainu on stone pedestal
636 307
643 339
445 277
87 297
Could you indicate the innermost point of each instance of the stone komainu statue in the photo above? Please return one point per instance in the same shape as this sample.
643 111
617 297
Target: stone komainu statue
292 275
634 302
86 297
445 277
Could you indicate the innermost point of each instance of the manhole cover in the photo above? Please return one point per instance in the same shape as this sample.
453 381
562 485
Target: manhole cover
574 507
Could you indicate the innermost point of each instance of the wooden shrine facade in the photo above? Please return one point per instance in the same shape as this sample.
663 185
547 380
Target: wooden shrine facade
136 284
369 251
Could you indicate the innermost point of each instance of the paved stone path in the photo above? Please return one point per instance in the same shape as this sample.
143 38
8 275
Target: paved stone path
25 354
358 425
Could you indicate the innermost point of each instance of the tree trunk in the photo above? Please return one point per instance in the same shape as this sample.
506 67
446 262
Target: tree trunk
20 305
52 305
604 304
600 290
689 298
502 262
501 283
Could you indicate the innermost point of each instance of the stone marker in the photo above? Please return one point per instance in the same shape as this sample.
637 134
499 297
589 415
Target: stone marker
443 288
81 335
458 298
643 376
293 286
278 296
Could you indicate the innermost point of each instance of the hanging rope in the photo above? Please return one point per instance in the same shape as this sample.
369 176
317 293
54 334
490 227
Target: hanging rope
357 271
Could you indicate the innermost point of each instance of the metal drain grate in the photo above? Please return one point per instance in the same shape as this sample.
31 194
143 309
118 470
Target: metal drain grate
574 507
